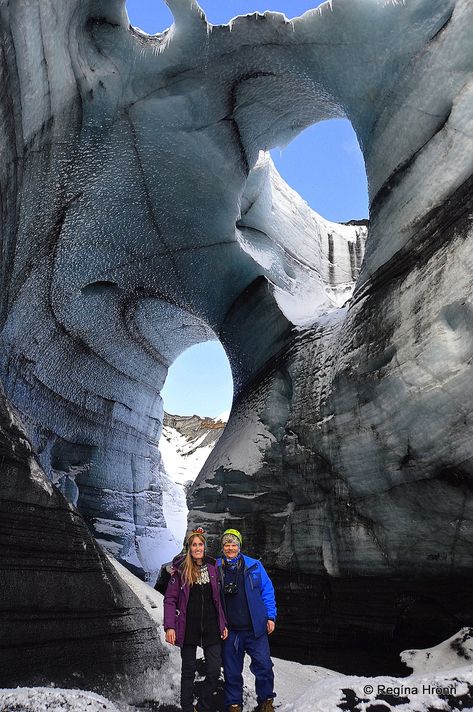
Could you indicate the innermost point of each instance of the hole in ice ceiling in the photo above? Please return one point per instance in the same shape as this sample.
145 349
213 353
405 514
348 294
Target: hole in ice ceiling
334 181
149 17
156 17
324 164
219 12
199 382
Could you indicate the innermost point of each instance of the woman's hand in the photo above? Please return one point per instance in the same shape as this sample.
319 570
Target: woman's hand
171 636
224 634
270 626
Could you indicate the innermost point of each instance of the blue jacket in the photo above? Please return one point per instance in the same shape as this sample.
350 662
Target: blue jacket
259 593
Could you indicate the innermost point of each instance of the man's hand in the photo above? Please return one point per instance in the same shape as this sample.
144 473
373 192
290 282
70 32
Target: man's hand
171 636
270 625
224 635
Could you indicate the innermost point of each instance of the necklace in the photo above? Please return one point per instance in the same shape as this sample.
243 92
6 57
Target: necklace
203 576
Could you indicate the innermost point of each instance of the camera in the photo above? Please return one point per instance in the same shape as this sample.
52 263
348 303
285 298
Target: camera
230 589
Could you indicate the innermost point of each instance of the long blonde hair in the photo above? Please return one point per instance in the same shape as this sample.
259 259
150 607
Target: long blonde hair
189 570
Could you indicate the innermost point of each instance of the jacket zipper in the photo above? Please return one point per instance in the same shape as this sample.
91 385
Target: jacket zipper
221 593
202 617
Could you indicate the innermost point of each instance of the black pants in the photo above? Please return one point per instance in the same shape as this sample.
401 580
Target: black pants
213 663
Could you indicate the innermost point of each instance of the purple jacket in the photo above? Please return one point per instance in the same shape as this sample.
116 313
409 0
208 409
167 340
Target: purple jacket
176 599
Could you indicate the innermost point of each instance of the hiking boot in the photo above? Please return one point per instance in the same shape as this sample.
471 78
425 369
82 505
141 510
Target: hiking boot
234 708
267 706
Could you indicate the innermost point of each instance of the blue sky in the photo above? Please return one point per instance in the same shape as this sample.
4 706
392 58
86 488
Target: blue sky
154 16
325 166
200 382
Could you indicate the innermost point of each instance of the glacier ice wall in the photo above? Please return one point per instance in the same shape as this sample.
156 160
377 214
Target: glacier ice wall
140 214
134 188
66 616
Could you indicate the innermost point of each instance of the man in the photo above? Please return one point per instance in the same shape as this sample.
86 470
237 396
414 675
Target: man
250 610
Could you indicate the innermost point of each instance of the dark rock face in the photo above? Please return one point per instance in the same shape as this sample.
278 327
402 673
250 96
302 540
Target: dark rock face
351 617
65 614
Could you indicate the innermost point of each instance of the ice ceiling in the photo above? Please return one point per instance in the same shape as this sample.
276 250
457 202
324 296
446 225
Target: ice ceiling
140 214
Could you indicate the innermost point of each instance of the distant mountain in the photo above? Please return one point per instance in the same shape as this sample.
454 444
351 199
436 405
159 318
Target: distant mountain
186 442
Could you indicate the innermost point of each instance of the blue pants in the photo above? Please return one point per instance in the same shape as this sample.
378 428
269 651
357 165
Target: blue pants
235 646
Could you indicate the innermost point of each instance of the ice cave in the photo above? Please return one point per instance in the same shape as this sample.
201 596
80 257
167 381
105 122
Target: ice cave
141 214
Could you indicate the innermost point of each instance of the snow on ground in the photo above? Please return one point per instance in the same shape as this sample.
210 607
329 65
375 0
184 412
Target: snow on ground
387 694
37 699
444 656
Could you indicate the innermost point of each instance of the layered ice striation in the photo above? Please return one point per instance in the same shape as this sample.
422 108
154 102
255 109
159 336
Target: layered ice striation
141 214
66 616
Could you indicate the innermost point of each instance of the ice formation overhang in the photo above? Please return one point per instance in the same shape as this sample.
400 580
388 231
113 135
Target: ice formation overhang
139 212
140 215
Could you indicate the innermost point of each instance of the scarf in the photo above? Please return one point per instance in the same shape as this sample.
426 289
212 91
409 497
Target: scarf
232 563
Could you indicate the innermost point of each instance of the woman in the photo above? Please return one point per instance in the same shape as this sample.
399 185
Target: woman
193 616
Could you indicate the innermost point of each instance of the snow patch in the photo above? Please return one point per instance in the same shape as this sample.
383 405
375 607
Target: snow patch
38 476
257 438
36 699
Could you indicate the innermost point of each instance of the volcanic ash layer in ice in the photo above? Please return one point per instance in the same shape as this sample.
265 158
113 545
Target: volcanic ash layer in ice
140 215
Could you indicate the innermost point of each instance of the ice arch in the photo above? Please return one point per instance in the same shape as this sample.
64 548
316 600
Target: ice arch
139 211
142 225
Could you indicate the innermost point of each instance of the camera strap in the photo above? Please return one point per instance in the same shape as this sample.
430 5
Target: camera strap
232 573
